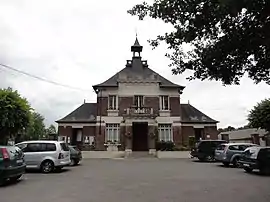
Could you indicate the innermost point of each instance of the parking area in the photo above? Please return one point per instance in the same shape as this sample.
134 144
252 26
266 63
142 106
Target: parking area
140 180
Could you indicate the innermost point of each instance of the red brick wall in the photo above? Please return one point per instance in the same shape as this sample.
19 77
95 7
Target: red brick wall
100 138
102 106
186 132
177 135
152 102
124 103
212 131
175 106
89 130
65 131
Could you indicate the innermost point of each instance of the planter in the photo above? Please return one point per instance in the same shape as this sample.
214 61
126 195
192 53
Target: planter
112 147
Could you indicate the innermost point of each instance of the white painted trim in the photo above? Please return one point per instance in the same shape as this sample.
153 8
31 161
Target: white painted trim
177 124
198 125
76 125
168 119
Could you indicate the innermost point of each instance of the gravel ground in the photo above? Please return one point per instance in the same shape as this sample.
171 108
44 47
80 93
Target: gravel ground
140 180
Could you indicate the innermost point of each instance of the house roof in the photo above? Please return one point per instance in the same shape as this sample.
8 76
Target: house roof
137 70
190 114
85 113
244 133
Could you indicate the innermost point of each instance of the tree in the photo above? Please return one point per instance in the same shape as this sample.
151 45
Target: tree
51 130
14 114
228 38
36 129
259 117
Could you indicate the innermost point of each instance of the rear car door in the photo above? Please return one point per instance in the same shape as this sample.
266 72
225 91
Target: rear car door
32 156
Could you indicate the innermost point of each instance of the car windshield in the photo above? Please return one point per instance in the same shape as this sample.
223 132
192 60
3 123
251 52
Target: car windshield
64 147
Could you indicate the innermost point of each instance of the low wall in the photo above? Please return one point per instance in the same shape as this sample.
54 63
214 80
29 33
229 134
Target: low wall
102 154
173 154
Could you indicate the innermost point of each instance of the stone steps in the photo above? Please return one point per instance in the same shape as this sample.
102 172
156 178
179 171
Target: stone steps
138 154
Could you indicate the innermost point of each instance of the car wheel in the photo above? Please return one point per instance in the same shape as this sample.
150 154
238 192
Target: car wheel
72 162
236 163
265 170
226 164
47 166
201 159
210 158
76 163
248 170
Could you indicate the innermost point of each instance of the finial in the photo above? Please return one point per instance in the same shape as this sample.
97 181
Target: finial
188 102
84 101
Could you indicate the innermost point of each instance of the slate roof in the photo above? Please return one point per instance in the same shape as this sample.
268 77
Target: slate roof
190 114
137 70
87 112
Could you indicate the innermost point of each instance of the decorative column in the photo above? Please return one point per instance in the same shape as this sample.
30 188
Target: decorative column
128 140
152 135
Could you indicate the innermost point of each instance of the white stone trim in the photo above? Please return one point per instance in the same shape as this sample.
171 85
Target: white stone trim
177 124
166 119
76 125
198 125
113 112
166 113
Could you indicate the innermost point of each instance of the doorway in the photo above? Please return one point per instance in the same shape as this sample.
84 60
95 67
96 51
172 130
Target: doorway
140 136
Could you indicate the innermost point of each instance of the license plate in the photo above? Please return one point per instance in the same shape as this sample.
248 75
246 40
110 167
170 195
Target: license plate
19 161
246 165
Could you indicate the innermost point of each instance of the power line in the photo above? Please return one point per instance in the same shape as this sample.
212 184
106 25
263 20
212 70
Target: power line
42 79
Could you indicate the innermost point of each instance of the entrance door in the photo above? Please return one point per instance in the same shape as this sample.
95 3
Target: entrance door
140 136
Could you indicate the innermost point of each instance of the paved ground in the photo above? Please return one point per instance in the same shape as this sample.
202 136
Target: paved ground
140 180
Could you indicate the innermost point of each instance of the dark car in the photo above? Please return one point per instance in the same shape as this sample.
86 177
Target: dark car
256 158
12 165
75 155
205 149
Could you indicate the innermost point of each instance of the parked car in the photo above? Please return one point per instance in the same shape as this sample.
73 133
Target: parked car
230 153
75 155
12 165
256 158
205 149
46 155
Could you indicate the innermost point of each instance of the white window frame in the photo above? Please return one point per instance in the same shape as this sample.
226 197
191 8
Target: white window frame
165 132
114 102
162 102
140 103
113 132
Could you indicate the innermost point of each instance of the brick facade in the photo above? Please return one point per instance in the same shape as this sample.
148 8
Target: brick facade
175 106
152 102
100 138
124 103
102 106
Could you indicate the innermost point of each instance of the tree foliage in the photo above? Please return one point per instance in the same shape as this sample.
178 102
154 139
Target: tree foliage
259 116
14 113
36 129
51 130
228 38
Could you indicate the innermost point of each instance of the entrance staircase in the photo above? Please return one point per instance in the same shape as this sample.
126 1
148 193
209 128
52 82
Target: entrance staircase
139 154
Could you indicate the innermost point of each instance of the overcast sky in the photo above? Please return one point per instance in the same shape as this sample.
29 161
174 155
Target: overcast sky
84 42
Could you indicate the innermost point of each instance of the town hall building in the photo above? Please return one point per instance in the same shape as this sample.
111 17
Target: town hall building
135 109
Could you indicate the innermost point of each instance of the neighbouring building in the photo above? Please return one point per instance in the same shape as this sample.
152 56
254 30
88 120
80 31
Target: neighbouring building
249 135
135 108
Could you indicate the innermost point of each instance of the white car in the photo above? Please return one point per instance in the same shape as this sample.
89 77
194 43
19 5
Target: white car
45 155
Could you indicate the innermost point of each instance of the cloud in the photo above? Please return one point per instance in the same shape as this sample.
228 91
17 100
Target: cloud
84 42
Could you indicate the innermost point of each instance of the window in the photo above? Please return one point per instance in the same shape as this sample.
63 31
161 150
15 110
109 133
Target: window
113 102
112 132
165 132
138 101
64 147
32 147
164 102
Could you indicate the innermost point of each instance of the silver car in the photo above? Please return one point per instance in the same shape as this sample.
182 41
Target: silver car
230 153
45 155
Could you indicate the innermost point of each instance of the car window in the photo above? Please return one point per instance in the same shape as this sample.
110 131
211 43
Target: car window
50 147
21 146
243 147
32 147
14 152
234 147
221 147
64 147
